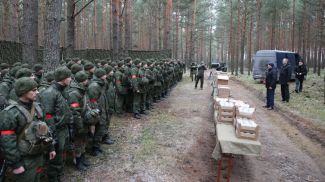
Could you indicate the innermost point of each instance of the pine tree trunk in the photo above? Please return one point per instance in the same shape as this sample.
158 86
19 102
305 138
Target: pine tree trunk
128 24
30 31
238 38
167 24
230 48
115 12
70 28
5 20
243 41
51 55
192 41
95 25
249 54
258 25
120 40
293 26
176 35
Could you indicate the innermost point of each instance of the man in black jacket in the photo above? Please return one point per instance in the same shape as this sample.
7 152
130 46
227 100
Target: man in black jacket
285 75
270 84
200 75
300 72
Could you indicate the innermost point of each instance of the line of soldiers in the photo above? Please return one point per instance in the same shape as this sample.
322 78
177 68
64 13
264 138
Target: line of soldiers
46 113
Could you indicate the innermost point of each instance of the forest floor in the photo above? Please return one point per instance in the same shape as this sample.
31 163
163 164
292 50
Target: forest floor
175 141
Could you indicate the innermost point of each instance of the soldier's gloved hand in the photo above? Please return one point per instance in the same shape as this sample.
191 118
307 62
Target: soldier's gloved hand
94 112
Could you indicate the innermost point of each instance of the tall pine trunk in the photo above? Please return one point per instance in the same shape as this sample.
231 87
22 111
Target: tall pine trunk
167 24
52 34
115 12
70 28
30 31
128 24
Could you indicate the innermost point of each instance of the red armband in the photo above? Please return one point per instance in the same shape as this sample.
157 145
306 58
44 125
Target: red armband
75 105
48 116
92 100
7 132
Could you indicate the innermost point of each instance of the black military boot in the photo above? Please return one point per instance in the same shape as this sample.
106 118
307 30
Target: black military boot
84 160
79 165
107 140
96 151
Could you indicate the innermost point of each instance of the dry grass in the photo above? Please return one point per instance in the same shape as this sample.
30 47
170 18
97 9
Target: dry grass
309 103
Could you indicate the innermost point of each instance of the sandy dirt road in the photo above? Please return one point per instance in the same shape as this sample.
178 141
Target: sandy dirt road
175 141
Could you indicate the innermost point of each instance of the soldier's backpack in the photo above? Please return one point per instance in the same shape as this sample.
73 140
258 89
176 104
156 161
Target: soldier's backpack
35 136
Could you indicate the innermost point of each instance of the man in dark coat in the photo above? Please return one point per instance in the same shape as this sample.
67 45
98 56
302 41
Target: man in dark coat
270 84
200 75
285 75
300 72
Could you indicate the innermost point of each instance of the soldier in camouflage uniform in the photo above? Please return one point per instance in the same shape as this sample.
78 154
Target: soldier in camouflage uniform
111 95
76 100
98 101
38 72
89 69
46 82
135 87
193 70
121 88
58 116
8 82
151 77
22 72
25 118
4 68
143 86
75 68
127 73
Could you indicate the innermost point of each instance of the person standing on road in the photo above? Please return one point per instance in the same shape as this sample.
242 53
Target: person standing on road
200 75
285 75
270 84
300 72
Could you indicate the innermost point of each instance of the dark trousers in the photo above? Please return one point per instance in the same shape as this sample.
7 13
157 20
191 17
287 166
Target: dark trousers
285 92
201 79
270 97
299 84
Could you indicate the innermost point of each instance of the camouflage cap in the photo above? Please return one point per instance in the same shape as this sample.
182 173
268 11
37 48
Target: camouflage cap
4 66
89 66
120 64
61 74
136 61
37 67
108 68
25 65
49 76
81 76
24 85
16 64
23 72
99 72
14 70
75 68
69 64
